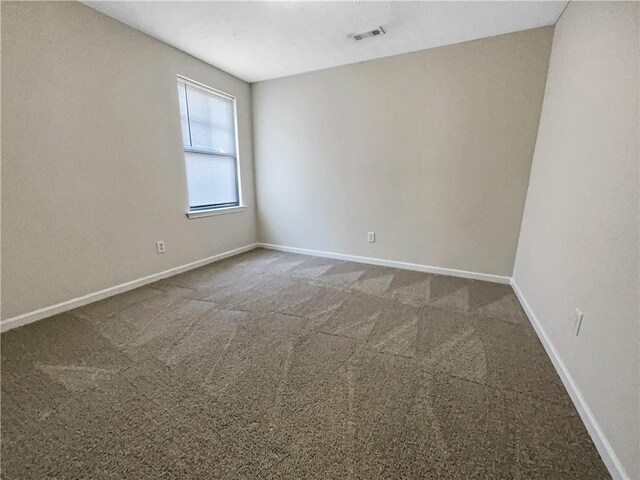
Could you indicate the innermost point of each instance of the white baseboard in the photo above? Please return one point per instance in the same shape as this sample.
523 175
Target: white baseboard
34 316
391 263
609 457
611 460
45 312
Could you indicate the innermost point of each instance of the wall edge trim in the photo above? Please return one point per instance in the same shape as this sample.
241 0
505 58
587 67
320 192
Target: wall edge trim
391 263
45 312
607 453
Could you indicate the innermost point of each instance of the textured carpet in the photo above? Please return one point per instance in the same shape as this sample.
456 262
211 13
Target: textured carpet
274 365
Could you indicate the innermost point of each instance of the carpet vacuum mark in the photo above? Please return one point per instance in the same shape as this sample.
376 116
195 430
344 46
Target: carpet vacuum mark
275 365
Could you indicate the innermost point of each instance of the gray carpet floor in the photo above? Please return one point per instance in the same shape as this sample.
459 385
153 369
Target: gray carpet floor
274 365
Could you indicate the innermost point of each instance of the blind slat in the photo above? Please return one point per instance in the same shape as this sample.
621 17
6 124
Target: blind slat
182 99
211 180
208 125
207 120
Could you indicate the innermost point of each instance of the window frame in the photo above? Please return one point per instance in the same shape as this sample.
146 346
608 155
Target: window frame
214 209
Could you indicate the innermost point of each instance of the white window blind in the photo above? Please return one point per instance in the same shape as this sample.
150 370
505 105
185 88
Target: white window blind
209 140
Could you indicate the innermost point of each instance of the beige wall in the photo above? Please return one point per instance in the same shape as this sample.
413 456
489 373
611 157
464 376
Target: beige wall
579 241
92 165
431 150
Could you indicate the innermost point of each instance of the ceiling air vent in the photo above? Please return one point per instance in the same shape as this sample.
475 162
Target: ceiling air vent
371 33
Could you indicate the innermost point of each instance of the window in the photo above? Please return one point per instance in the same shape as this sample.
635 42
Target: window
209 140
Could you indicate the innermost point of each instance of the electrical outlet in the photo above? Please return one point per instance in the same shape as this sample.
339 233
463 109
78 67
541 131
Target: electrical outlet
577 321
160 248
371 237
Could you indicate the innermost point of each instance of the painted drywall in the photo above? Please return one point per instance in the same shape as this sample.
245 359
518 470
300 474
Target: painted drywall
579 242
430 150
92 164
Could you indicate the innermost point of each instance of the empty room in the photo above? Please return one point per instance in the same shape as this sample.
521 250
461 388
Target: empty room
320 240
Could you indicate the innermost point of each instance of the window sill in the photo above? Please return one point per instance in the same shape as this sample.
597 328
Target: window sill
215 211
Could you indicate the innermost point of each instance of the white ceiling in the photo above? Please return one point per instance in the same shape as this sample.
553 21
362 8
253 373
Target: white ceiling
263 40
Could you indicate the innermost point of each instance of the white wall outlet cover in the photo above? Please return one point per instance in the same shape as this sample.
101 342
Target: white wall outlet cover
577 321
160 248
371 237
